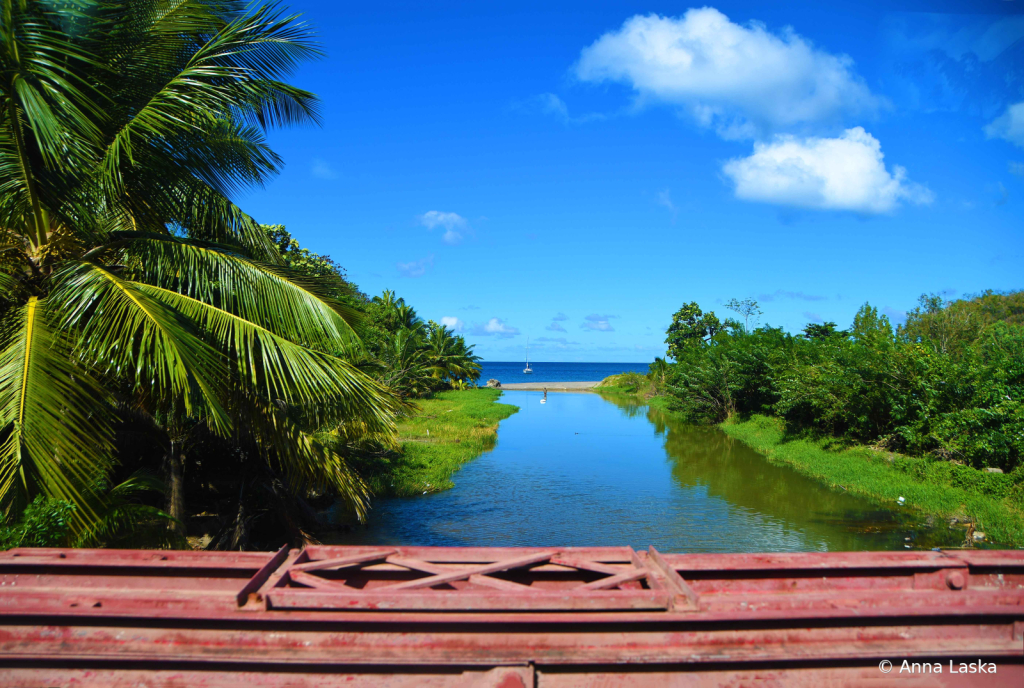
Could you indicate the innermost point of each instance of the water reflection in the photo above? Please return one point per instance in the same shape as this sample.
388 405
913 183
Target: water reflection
707 457
583 470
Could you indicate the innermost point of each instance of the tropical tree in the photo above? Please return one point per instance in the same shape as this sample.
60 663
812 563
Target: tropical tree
406 364
130 281
748 308
658 370
452 359
824 330
691 327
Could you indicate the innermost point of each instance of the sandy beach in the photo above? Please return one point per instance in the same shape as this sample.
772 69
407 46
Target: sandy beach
552 386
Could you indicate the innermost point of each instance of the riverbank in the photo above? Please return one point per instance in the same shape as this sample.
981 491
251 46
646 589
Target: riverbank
993 503
447 431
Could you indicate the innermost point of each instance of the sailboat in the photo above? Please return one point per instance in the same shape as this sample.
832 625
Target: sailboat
527 369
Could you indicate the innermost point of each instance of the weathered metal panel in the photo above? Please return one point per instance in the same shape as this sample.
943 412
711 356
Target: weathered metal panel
322 677
489 616
831 677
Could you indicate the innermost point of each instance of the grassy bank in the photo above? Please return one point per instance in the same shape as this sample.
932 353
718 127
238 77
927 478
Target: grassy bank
635 387
993 502
447 431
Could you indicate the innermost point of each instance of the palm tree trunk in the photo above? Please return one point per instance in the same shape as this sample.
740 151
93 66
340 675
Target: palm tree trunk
240 532
174 469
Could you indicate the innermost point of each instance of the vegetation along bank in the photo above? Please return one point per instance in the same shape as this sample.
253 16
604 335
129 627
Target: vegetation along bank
931 410
173 372
447 430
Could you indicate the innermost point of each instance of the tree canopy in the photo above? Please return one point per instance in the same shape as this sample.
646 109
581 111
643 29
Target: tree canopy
132 284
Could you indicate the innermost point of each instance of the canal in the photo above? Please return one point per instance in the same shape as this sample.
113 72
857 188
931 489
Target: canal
584 470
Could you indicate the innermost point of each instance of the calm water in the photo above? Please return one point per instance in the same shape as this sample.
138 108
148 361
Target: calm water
580 470
555 372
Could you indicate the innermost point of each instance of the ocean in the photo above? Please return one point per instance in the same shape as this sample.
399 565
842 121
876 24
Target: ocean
507 372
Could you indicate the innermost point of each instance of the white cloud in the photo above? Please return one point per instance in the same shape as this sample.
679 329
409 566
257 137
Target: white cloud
554 326
453 323
665 199
416 268
598 322
557 343
551 104
452 222
495 327
1004 194
1016 168
322 169
1009 125
845 173
740 79
781 294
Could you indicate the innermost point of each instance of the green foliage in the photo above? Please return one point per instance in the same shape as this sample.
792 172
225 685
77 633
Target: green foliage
629 383
446 431
123 520
133 287
994 503
127 522
302 260
691 328
823 331
704 384
44 523
658 370
949 385
413 357
952 325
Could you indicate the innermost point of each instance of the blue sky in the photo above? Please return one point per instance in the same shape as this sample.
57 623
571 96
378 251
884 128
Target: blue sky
574 172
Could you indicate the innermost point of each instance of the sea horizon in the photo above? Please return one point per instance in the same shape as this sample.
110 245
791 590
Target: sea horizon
555 371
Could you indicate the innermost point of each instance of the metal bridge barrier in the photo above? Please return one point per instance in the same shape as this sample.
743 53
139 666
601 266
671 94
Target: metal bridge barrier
509 618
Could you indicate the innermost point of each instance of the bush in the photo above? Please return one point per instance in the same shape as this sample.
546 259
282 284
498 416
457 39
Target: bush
949 385
44 523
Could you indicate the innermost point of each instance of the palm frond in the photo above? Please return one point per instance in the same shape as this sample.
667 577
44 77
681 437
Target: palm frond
124 521
206 215
273 297
276 368
127 333
54 421
230 76
45 84
308 462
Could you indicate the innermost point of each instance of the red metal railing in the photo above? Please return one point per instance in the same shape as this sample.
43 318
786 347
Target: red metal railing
503 616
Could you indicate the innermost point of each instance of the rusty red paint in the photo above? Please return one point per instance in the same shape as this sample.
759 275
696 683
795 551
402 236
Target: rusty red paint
501 616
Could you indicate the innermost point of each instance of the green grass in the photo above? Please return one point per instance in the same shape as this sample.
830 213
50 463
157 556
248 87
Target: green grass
446 431
611 386
993 502
632 384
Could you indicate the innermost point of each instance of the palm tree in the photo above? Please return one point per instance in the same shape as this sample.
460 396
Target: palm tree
407 366
658 370
128 278
451 357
